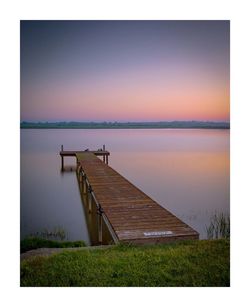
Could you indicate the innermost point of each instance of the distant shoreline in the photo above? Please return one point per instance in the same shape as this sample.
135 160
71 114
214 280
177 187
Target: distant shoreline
128 125
112 128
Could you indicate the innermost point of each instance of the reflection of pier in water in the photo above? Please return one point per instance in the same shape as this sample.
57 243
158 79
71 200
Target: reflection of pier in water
117 210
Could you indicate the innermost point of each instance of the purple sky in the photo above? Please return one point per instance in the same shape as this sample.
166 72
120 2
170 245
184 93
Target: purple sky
125 70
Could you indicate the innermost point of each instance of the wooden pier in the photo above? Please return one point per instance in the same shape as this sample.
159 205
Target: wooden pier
130 215
69 153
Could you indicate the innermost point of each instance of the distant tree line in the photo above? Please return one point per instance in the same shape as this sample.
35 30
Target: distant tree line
127 125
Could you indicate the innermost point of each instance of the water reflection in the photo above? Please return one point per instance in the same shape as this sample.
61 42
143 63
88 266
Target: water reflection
68 169
49 200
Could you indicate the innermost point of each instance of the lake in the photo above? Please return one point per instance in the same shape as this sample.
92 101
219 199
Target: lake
187 171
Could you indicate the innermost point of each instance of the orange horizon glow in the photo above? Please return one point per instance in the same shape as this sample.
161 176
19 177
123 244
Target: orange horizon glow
146 102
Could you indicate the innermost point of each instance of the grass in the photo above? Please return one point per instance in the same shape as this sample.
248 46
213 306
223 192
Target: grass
189 263
57 233
36 242
219 226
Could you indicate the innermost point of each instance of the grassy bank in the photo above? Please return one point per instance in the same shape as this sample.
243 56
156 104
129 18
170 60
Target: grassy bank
34 243
193 263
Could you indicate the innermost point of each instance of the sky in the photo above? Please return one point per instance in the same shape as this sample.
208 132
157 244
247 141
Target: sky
125 70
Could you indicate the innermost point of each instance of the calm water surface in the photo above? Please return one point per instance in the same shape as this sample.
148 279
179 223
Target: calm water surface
185 171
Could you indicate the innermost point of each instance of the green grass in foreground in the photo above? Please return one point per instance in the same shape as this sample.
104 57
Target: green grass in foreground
193 263
35 242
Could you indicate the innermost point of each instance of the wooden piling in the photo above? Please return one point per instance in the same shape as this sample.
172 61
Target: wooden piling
90 200
84 185
99 228
62 163
62 159
78 166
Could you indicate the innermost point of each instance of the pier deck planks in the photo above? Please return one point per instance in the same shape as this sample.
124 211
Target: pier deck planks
71 153
133 216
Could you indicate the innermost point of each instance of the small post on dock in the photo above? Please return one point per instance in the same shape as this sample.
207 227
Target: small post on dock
62 159
103 148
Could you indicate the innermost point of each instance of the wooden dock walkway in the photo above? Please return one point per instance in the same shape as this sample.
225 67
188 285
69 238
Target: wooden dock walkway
130 215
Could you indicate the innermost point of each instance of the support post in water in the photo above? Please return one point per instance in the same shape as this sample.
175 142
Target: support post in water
82 182
62 160
90 199
84 185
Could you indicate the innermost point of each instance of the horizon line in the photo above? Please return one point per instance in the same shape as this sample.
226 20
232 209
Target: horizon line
124 122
